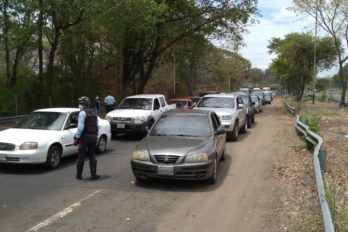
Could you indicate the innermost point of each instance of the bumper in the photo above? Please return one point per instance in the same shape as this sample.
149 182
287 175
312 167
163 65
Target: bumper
23 156
128 128
198 171
228 126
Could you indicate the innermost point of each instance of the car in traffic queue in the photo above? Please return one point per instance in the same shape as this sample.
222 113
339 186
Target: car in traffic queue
249 105
183 144
181 103
195 99
45 136
231 111
257 103
268 97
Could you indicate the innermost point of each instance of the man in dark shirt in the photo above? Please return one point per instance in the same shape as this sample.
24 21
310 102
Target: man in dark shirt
86 138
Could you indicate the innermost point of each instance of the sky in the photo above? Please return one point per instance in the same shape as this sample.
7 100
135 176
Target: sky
276 21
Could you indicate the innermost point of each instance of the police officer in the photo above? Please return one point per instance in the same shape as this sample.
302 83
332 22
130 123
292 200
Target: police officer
110 102
86 138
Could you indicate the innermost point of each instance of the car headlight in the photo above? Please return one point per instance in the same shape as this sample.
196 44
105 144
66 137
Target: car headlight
140 155
108 117
195 158
28 146
226 117
139 119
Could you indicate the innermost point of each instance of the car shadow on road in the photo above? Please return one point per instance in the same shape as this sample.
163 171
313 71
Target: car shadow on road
36 169
173 185
128 137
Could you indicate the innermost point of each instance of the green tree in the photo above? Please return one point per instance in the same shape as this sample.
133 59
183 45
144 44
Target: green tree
295 59
332 16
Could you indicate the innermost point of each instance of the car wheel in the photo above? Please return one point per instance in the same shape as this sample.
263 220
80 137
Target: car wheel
213 177
248 121
101 145
149 124
252 118
53 157
235 132
244 129
222 158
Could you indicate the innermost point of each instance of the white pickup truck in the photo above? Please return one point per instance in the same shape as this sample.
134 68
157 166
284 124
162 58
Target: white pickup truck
136 114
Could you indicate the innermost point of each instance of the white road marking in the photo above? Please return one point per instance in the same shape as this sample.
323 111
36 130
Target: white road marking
61 214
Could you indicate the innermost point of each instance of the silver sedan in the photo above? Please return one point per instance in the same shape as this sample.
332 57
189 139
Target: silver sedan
181 145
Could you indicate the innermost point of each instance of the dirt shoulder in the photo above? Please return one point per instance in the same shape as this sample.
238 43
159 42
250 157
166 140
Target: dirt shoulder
268 186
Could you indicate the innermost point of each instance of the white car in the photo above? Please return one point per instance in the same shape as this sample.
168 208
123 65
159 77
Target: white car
231 111
45 136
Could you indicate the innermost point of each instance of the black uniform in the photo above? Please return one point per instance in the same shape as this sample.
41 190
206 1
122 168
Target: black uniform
87 144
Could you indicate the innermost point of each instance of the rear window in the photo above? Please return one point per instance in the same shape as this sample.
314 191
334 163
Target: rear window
217 102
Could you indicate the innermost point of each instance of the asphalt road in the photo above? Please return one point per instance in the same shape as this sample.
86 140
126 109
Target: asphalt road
34 199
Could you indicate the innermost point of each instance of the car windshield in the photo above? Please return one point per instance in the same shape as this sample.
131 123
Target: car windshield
182 125
43 121
136 103
217 102
179 104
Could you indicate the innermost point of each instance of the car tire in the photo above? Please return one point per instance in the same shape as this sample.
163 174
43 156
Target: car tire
235 133
248 121
101 145
244 129
54 155
149 124
223 155
213 177
253 118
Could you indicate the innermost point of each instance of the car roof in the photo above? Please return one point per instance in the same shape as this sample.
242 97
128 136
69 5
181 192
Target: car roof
188 112
58 109
146 96
179 99
219 95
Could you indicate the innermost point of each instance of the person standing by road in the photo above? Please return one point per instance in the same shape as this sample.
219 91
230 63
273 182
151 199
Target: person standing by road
86 138
97 104
110 102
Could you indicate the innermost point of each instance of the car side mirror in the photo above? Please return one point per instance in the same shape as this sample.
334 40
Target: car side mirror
220 131
240 106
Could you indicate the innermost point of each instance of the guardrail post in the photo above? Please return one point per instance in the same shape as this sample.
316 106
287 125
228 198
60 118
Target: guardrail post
322 158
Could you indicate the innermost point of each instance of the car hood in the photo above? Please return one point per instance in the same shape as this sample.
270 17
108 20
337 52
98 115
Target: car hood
19 136
219 111
128 113
173 145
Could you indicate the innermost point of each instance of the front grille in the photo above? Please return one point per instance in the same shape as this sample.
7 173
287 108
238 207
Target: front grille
122 119
12 159
7 147
166 159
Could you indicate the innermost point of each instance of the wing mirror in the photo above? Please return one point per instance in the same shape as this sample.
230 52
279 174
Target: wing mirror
220 131
240 106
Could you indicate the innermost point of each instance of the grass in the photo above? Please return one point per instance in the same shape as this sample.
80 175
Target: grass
337 197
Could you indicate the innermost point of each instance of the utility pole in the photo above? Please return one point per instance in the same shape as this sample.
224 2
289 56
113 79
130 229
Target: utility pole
315 50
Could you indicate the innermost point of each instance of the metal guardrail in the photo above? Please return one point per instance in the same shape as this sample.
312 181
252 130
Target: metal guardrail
11 119
291 110
319 157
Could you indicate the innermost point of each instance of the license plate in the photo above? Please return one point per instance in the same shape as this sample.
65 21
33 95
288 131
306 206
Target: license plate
120 125
2 157
167 171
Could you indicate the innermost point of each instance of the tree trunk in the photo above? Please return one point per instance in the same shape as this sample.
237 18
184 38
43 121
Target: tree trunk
7 50
343 83
18 56
39 39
